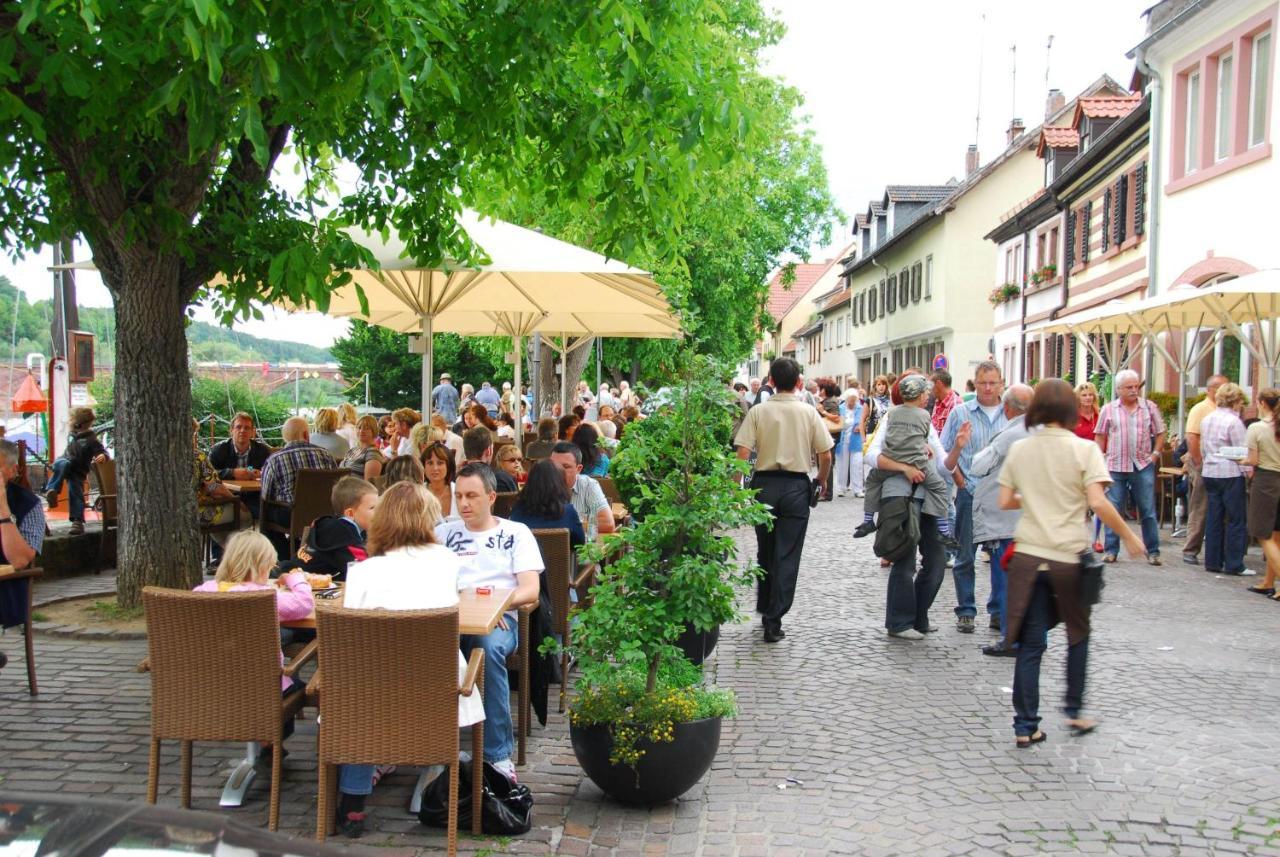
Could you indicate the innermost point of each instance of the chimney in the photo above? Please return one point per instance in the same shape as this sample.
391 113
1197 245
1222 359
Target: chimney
1054 103
1015 129
971 160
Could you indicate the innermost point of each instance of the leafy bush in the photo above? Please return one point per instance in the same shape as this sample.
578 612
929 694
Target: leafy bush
675 568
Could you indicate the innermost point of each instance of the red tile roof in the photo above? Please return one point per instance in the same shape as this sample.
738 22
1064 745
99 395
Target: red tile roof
1105 107
783 297
1056 137
837 300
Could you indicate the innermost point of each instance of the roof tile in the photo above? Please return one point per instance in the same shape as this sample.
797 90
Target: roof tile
917 193
1105 107
783 298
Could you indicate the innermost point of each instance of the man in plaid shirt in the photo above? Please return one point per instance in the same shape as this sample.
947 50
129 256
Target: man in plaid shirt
281 471
1131 433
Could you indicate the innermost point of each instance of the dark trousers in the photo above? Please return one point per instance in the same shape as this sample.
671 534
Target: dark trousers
779 546
1032 641
1225 538
912 588
276 515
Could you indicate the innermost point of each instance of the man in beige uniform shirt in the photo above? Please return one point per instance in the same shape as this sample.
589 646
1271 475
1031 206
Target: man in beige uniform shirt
787 435
1197 499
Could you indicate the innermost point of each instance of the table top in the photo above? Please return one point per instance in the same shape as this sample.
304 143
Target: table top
477 614
1173 471
243 486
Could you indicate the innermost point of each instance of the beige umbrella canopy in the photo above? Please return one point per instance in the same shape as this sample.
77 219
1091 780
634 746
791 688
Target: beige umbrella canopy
532 284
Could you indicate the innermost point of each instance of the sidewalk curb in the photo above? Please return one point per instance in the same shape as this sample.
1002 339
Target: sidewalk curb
80 632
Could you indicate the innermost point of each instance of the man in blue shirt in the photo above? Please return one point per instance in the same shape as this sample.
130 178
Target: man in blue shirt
490 398
970 427
444 399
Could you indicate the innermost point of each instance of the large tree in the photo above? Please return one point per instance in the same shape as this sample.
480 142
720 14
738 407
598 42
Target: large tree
153 129
750 215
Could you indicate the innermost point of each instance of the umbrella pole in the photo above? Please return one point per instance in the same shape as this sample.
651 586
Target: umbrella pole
428 370
515 346
564 375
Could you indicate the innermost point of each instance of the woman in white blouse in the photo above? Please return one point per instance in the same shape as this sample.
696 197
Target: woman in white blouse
406 570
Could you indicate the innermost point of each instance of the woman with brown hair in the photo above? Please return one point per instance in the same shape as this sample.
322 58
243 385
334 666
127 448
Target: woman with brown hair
1263 440
363 459
438 470
1053 477
406 570
402 468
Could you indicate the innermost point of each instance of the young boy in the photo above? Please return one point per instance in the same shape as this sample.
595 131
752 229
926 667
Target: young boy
338 539
83 449
906 441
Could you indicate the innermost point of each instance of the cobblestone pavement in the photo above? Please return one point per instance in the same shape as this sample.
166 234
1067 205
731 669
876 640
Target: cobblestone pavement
898 748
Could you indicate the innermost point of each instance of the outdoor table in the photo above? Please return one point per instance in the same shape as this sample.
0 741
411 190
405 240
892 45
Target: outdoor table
477 614
243 486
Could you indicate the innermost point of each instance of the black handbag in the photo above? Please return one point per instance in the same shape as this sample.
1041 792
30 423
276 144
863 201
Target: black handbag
1091 580
507 810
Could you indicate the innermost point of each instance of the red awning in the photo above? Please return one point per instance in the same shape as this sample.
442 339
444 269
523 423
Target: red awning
29 399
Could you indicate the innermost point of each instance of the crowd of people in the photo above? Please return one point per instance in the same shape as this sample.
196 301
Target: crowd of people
1038 482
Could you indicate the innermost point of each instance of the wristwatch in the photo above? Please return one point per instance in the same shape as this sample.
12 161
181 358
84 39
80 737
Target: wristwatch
7 519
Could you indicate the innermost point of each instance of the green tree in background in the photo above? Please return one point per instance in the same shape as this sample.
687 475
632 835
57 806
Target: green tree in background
395 375
153 129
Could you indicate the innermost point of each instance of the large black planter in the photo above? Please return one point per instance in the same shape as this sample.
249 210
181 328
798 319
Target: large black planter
698 645
664 772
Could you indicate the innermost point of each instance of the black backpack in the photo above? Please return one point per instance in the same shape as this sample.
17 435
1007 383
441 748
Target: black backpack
897 530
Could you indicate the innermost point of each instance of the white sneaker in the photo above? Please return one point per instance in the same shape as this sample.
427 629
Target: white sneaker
507 767
907 634
859 494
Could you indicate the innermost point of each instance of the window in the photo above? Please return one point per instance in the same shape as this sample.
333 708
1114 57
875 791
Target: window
1049 169
1053 246
1042 255
871 304
915 283
1009 265
904 288
1192 129
1223 129
1259 86
928 278
891 293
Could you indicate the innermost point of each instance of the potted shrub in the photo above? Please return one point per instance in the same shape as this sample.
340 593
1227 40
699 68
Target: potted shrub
1004 294
643 725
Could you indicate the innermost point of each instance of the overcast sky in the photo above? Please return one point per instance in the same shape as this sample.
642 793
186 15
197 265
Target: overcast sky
891 91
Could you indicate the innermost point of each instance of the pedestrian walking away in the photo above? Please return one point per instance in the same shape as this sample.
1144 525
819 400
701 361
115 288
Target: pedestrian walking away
1052 476
786 436
1222 440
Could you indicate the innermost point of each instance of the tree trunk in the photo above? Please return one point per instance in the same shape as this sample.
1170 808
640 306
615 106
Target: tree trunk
549 379
158 541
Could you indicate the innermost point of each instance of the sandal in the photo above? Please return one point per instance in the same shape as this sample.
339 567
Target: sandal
1262 590
1080 728
1024 741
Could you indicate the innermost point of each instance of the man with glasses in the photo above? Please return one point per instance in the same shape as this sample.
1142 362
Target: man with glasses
241 456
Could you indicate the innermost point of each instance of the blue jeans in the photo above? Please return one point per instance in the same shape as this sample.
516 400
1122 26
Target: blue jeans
1225 539
998 604
499 736
1141 486
355 779
1032 641
962 572
75 488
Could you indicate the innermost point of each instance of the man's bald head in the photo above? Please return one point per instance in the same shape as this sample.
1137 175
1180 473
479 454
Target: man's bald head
294 429
1017 399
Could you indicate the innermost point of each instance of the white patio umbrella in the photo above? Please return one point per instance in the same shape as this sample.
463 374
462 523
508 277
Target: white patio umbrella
532 284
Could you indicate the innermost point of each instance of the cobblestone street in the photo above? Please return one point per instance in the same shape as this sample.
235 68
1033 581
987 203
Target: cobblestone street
884 746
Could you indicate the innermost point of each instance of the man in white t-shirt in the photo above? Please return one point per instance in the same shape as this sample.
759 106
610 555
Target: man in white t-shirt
504 555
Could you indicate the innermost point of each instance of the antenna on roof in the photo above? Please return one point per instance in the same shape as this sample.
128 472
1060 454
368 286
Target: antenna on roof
1048 55
977 120
1013 98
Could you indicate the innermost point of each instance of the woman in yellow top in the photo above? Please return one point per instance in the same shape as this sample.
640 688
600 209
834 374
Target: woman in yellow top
1053 476
1263 517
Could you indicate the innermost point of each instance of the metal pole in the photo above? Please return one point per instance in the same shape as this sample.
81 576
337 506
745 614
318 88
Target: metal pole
536 380
297 376
599 367
427 368
366 391
515 343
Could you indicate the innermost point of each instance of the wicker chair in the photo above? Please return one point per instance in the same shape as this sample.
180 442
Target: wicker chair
400 707
518 662
214 659
24 579
107 505
311 490
505 502
557 556
610 490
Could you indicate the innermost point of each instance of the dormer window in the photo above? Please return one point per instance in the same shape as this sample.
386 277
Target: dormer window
1050 171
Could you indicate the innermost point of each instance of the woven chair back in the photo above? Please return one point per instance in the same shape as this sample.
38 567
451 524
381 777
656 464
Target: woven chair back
557 556
610 490
504 503
215 664
311 496
106 471
389 686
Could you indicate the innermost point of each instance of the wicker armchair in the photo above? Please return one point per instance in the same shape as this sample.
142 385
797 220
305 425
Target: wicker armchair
311 490
557 556
214 659
518 662
107 506
19 584
504 503
610 490
400 707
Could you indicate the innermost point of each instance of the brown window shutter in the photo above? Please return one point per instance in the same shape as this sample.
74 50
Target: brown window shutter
1086 219
1106 219
1137 181
1070 246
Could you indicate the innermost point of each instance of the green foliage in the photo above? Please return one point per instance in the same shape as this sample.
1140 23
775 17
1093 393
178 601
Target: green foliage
617 698
211 399
1168 404
395 375
677 566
